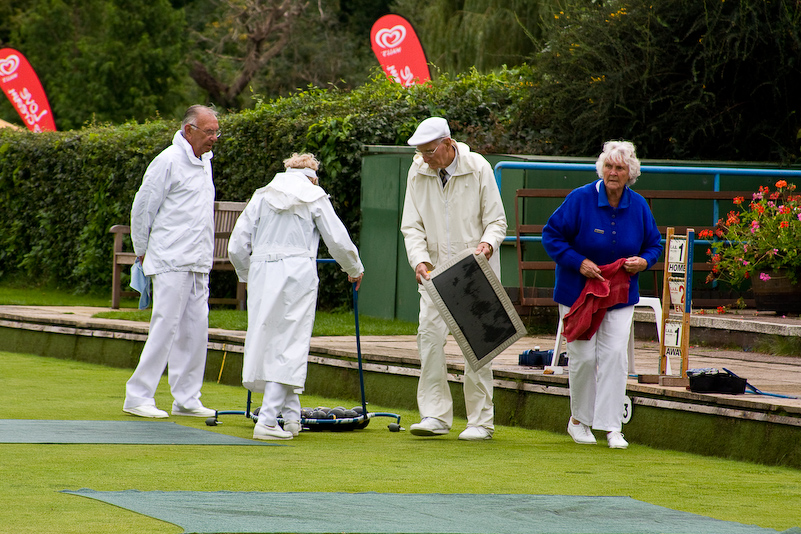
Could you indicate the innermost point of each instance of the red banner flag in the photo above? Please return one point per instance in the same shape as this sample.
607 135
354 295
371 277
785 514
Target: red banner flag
398 49
23 89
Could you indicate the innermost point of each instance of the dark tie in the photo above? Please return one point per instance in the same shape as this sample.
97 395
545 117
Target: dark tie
443 175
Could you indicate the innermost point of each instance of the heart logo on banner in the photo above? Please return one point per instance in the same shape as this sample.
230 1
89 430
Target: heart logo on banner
9 65
390 37
398 50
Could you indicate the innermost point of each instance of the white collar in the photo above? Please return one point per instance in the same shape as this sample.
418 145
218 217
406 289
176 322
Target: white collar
451 169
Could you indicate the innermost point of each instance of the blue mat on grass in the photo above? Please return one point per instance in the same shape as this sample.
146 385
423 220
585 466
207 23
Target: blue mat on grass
390 513
113 432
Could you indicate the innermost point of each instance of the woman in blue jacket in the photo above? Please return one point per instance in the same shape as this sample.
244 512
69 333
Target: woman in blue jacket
597 225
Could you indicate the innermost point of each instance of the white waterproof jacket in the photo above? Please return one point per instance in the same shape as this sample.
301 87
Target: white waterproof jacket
172 218
273 248
439 223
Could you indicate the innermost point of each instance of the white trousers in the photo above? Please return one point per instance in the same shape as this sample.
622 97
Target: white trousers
279 398
433 391
598 370
177 339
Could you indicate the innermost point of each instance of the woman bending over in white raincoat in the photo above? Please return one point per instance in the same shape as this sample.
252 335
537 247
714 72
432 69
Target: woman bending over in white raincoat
273 248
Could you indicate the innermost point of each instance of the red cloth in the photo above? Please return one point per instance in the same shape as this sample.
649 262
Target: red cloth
586 314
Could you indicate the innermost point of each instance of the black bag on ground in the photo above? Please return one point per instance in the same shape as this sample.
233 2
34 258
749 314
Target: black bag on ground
535 357
714 381
540 358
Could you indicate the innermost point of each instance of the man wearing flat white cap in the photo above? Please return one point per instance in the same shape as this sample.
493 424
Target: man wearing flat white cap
452 203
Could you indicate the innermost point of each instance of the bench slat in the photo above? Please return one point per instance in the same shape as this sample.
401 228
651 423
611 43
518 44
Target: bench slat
226 214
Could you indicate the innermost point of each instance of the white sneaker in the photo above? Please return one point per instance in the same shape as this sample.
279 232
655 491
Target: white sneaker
265 432
293 427
200 411
147 410
581 433
429 426
616 440
475 433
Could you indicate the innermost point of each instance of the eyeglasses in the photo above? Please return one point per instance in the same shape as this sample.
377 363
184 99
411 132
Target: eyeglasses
210 133
429 153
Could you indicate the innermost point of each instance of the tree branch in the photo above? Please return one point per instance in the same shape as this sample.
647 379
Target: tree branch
266 26
218 91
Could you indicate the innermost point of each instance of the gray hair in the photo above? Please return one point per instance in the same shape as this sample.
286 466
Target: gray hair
192 113
619 152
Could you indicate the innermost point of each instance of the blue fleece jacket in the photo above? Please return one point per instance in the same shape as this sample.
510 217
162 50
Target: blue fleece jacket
586 226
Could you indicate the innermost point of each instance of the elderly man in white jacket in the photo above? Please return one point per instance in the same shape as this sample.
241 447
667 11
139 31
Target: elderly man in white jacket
172 229
452 203
273 248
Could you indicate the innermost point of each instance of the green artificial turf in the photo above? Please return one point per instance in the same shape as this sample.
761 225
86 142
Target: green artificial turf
373 459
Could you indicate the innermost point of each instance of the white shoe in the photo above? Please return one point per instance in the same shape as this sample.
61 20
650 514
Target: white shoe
429 426
147 410
293 427
265 432
581 433
475 433
200 411
616 440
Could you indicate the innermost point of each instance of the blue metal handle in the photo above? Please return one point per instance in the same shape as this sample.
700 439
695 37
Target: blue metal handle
359 345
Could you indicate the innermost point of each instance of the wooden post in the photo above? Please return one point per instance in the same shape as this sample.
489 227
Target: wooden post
676 307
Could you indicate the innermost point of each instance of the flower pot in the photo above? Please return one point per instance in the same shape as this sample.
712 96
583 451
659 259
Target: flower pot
777 294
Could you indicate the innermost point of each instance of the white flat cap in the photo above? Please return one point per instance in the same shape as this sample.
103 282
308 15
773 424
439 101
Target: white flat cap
430 129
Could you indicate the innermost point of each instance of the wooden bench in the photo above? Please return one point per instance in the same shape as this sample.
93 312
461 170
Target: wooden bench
225 216
529 296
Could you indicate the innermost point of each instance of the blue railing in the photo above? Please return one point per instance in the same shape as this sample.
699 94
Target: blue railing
717 172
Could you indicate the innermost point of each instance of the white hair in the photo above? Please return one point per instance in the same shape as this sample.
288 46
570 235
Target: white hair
621 152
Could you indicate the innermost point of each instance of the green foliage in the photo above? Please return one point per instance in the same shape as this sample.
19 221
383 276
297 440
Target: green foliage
106 60
683 79
329 44
459 35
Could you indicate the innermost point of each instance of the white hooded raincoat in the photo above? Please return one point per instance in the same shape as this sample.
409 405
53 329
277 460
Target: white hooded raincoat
273 248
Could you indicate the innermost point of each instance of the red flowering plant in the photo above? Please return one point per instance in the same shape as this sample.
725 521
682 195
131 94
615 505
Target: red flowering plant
762 237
